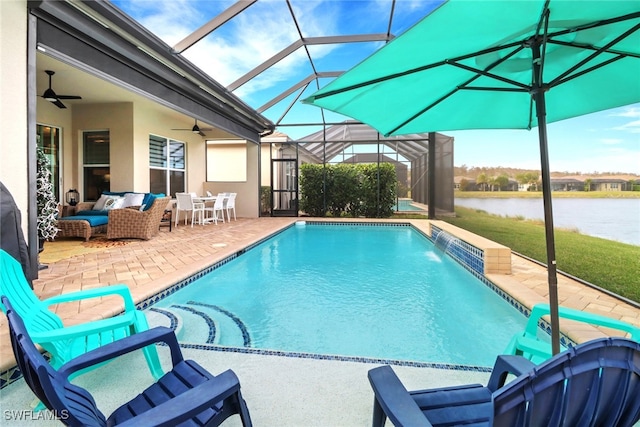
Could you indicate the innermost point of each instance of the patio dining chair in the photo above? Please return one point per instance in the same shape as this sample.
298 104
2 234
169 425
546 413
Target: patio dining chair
186 395
185 203
596 383
230 205
217 209
67 342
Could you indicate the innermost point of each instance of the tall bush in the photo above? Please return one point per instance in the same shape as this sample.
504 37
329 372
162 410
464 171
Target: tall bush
343 190
312 189
348 189
378 189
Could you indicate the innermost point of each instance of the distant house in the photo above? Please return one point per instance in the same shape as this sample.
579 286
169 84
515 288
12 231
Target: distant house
566 184
609 184
462 183
512 185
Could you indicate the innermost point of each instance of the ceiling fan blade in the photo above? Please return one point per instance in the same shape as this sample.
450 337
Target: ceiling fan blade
52 97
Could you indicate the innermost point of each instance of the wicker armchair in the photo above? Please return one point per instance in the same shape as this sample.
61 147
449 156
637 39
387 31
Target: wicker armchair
136 224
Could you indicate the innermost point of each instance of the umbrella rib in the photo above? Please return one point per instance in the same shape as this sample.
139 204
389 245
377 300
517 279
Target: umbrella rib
595 54
591 47
413 70
544 16
466 84
491 75
597 24
588 70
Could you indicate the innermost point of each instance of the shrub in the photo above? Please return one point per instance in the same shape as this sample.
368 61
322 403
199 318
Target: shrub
312 189
348 189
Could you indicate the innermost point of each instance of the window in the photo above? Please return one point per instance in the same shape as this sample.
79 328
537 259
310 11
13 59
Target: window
167 165
227 161
48 138
95 145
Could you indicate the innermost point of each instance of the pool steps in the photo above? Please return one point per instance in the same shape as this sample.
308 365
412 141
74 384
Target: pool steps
208 323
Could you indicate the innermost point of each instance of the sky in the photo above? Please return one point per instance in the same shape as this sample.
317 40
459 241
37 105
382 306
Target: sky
607 141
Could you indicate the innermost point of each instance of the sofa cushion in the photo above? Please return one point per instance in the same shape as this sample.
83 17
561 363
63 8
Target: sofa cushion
149 198
115 202
133 199
93 220
99 205
92 212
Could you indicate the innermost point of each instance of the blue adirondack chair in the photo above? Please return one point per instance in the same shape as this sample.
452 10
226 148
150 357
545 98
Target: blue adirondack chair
593 384
531 345
187 395
65 343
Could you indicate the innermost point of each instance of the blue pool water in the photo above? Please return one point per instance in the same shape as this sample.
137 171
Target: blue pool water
371 291
406 205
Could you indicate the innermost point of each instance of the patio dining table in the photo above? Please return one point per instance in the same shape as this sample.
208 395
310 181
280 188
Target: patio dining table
205 200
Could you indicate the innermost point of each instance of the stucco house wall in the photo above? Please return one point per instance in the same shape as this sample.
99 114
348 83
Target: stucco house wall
13 107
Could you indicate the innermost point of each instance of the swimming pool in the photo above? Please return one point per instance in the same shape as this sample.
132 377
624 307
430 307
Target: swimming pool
406 205
369 291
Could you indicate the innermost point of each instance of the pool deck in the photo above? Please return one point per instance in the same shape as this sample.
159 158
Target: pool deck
148 267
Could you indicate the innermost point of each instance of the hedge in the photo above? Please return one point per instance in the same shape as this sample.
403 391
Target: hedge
348 190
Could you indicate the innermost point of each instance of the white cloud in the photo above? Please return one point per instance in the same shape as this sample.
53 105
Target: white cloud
611 141
626 112
633 127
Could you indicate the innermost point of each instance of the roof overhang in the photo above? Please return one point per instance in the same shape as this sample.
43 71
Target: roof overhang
98 38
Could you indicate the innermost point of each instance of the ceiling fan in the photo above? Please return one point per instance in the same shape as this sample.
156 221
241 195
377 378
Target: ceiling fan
52 97
196 129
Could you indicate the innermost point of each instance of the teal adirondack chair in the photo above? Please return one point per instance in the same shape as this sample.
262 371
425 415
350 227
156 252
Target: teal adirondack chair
529 344
67 342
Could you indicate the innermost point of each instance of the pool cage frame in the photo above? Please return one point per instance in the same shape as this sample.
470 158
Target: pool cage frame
429 179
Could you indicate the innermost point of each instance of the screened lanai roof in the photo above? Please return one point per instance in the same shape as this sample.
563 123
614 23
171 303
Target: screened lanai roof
341 136
273 53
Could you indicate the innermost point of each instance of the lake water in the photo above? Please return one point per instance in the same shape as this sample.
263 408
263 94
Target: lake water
612 219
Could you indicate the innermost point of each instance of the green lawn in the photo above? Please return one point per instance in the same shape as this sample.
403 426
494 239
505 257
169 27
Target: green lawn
605 263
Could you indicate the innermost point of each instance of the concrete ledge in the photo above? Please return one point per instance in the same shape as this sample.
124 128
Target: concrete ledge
497 258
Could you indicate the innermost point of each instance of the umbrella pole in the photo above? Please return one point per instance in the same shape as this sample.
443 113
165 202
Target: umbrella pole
548 222
541 113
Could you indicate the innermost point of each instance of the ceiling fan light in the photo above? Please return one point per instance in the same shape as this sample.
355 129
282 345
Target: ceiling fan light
195 129
50 95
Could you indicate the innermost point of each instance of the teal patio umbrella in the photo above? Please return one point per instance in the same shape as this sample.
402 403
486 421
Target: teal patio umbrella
498 65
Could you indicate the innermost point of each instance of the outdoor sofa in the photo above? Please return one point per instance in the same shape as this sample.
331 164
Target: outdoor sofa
92 218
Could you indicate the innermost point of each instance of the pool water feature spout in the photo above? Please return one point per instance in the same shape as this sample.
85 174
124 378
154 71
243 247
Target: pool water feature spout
444 241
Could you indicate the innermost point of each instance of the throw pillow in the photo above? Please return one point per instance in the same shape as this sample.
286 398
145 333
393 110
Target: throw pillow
101 201
132 199
113 202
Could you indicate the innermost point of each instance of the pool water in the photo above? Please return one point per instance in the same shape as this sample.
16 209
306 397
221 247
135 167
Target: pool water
406 205
370 291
